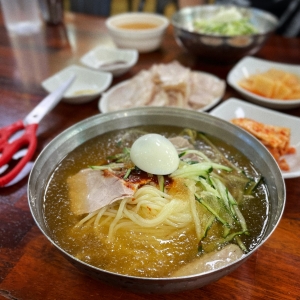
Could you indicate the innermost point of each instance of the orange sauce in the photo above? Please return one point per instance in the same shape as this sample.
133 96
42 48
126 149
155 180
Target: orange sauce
137 25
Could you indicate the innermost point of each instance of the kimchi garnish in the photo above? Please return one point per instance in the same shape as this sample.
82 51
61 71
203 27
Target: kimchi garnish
275 138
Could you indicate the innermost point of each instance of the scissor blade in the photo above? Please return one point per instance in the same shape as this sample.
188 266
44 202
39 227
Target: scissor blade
47 104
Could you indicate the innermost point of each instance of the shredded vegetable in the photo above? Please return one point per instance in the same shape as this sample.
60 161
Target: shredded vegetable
228 22
208 181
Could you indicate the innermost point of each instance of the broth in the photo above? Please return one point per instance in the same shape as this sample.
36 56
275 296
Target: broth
137 26
138 253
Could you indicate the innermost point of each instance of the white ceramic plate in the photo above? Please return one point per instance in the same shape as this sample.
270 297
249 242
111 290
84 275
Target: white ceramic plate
104 100
235 108
251 65
108 59
88 84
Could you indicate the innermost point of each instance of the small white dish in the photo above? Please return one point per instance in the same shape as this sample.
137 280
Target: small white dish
106 97
251 65
108 59
235 108
88 84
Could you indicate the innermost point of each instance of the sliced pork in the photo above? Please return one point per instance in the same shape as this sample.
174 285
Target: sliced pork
167 85
181 143
138 91
173 78
91 190
211 261
204 89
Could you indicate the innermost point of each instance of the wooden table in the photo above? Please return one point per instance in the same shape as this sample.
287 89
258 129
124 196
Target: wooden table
30 267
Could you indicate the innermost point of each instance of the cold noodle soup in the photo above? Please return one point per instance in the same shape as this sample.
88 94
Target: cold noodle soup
110 213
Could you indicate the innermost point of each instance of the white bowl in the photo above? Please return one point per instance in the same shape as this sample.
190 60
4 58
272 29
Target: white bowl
88 84
235 108
144 40
108 59
251 65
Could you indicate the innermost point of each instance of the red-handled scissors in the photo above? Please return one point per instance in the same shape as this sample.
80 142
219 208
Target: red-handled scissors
22 134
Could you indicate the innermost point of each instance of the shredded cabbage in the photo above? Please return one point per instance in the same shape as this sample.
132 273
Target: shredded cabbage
229 22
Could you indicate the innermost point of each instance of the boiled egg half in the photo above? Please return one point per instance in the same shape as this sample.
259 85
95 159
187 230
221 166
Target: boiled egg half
155 154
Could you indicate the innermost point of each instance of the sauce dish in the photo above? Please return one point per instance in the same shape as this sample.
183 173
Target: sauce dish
88 85
108 59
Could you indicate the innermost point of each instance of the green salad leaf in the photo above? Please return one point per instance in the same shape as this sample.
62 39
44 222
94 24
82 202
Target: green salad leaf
228 22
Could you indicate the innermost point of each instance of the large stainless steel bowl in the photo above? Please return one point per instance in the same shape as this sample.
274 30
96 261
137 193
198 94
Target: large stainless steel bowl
220 48
99 124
